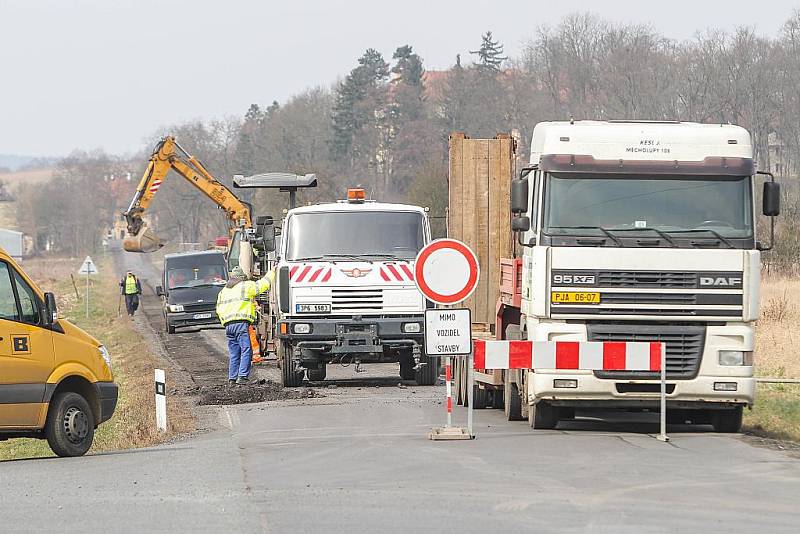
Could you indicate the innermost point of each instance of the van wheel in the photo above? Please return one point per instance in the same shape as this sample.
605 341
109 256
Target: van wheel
291 378
70 425
543 416
168 327
727 421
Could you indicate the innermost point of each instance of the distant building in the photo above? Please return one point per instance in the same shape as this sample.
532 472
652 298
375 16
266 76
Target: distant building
13 243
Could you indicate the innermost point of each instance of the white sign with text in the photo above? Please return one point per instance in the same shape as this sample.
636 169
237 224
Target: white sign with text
448 332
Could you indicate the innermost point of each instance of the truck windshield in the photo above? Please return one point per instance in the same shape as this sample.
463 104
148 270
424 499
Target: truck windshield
670 207
355 235
195 271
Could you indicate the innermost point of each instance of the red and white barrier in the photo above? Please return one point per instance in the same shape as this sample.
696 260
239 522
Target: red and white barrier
585 355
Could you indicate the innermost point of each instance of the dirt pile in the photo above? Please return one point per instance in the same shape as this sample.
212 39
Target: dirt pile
260 391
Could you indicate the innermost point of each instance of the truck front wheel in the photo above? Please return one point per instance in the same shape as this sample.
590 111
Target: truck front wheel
727 421
407 371
70 425
512 405
291 378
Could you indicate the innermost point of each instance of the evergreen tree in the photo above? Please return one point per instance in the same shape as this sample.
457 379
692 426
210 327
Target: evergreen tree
490 54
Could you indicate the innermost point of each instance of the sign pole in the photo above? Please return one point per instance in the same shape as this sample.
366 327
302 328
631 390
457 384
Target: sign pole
448 377
87 294
663 435
470 389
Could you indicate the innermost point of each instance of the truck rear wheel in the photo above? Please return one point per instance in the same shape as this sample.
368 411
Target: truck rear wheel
291 378
407 366
543 416
512 404
318 374
70 425
727 421
428 373
480 397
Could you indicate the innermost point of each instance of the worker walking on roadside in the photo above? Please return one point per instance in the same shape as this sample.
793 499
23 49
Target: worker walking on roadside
131 288
236 308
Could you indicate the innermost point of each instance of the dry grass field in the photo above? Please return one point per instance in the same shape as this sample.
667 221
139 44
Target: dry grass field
133 360
777 409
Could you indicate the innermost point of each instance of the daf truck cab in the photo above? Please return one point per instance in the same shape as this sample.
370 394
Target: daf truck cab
55 379
346 292
641 231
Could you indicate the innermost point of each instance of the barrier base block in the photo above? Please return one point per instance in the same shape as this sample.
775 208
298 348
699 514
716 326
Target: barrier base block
449 433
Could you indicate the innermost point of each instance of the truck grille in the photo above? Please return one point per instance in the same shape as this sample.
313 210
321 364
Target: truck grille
684 346
201 307
647 279
350 300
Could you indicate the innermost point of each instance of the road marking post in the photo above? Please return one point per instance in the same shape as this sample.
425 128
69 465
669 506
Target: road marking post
161 401
87 267
663 435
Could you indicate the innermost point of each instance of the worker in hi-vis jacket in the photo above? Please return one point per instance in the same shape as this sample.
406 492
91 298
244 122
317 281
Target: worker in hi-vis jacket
131 288
236 308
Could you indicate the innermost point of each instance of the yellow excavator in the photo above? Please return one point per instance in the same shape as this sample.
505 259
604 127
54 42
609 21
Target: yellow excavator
169 155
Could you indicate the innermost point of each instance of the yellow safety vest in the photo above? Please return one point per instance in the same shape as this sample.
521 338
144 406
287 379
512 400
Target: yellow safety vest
238 303
130 285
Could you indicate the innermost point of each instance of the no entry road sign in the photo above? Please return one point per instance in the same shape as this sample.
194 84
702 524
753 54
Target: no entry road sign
446 271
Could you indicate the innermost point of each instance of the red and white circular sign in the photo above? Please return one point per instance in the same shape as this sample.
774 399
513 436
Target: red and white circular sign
446 271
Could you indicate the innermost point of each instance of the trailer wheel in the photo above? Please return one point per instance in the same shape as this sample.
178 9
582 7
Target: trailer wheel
543 416
291 378
427 374
498 399
727 421
70 425
512 405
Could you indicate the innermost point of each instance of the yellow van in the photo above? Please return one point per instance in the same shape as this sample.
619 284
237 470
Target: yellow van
55 379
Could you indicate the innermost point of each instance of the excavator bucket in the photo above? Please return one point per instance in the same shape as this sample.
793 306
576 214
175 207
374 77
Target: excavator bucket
144 241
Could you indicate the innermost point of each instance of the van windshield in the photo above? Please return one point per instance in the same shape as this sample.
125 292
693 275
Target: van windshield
196 271
355 235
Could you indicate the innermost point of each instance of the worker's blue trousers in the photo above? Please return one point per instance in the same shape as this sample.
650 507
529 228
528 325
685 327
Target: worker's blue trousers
240 352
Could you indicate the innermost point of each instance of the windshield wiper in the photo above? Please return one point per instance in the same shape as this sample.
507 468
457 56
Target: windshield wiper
600 228
309 258
716 234
661 233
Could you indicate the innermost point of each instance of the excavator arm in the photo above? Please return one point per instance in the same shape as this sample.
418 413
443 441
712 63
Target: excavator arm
169 155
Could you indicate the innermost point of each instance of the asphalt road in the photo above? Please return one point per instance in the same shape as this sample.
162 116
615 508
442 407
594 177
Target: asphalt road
358 461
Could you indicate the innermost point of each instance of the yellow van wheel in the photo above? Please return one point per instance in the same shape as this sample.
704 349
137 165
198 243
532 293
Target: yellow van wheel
70 425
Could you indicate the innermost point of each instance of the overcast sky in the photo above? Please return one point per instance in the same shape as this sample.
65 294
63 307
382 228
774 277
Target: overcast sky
108 73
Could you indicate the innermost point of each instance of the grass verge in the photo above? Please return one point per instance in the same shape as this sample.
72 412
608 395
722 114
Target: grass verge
133 424
776 413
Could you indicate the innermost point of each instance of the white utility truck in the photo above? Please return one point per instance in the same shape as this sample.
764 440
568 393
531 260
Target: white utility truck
345 291
641 231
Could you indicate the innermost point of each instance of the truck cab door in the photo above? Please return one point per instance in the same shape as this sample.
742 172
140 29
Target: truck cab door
26 352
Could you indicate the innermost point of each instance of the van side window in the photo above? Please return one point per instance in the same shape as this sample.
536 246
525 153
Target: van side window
8 304
28 302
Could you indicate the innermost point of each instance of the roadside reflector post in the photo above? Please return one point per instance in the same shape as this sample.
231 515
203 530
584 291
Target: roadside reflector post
663 364
161 401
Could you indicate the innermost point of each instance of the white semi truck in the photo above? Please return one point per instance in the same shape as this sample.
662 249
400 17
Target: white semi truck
637 231
345 291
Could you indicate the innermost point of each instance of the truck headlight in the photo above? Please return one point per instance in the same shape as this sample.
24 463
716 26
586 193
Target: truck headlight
301 328
412 328
105 354
176 308
735 357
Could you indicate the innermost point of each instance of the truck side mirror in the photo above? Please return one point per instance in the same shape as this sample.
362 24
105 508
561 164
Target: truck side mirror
519 195
50 309
771 199
268 238
521 224
159 291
